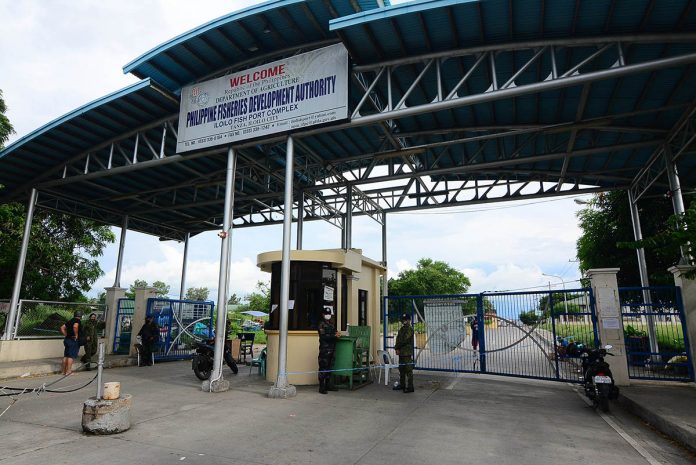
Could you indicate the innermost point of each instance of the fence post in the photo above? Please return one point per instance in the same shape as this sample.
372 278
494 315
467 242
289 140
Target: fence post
113 294
482 332
142 294
688 291
609 322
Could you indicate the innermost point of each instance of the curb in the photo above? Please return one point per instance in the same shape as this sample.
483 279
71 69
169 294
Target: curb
53 366
684 434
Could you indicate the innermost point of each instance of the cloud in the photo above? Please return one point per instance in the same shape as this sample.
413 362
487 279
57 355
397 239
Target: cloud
244 274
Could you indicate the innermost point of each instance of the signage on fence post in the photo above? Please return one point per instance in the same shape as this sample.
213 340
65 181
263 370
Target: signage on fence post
289 94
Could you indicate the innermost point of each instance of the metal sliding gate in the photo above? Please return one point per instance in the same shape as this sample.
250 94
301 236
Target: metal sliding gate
181 323
124 325
523 334
657 345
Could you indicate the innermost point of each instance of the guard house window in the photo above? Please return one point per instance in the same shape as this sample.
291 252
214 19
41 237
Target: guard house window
362 307
312 288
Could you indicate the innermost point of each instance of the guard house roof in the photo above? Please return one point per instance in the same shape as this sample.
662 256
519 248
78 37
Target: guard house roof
452 102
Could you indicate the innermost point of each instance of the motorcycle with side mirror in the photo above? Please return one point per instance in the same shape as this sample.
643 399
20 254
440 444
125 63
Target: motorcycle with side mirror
597 378
202 362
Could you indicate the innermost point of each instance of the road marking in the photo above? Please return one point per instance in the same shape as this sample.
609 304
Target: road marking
628 438
451 385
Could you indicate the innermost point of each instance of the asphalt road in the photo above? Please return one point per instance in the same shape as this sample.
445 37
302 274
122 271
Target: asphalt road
448 420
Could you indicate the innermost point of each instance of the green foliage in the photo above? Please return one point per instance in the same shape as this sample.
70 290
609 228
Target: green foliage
6 128
234 300
607 222
197 293
678 231
419 327
430 277
630 331
530 317
61 258
161 288
260 300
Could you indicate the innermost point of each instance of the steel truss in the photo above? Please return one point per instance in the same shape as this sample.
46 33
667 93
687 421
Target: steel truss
416 169
678 142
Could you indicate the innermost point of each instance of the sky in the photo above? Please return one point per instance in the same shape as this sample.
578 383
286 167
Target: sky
56 55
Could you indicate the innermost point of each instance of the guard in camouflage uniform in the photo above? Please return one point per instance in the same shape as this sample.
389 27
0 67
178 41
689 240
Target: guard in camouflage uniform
91 340
404 349
327 350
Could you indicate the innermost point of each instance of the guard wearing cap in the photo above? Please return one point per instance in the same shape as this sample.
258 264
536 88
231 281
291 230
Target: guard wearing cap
404 349
327 350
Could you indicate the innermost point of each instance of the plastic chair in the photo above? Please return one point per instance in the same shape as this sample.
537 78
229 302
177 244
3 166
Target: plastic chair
260 362
385 363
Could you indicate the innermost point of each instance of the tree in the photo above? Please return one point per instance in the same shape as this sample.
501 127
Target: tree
197 293
161 288
6 128
607 222
234 300
679 231
430 277
61 259
261 299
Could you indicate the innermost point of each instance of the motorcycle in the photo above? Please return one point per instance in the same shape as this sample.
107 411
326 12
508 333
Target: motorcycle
597 378
202 362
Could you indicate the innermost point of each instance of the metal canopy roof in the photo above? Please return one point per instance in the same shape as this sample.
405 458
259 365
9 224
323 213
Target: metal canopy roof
453 102
257 34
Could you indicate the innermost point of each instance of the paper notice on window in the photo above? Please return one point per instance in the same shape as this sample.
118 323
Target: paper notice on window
611 323
328 293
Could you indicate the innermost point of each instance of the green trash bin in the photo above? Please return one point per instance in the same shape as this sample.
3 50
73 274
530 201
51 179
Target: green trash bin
343 361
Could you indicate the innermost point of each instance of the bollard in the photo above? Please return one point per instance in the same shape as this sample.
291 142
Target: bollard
100 369
101 416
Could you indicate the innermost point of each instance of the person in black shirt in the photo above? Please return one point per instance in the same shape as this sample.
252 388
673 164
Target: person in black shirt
149 335
71 331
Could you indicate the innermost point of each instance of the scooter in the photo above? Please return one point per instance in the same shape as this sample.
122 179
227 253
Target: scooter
597 378
202 362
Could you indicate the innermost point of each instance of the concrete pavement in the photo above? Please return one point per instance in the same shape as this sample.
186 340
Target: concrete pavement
457 420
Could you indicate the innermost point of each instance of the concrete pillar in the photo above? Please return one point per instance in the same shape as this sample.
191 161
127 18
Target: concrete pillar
112 296
609 324
141 296
688 292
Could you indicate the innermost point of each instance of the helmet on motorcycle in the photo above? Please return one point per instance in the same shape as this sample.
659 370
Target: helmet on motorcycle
327 311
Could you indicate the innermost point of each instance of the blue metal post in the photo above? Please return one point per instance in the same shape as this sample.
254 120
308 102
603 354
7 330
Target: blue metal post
687 346
482 332
593 316
553 327
385 323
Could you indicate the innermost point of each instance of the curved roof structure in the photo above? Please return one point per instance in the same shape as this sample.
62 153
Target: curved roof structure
451 102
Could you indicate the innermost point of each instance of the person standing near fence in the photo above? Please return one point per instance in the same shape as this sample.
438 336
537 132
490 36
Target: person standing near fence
71 330
474 332
149 335
404 349
91 340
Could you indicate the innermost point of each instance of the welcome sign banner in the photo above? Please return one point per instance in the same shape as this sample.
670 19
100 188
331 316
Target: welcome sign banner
286 95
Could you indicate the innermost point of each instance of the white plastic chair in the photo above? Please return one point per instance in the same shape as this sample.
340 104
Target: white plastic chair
385 363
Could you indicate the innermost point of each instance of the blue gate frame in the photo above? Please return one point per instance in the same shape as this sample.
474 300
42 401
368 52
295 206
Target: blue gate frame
661 307
182 323
124 326
524 334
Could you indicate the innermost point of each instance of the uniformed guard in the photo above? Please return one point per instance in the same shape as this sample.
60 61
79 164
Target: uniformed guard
404 349
327 350
91 340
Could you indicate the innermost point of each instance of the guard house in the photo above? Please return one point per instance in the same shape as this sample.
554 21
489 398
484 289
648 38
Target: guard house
344 280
